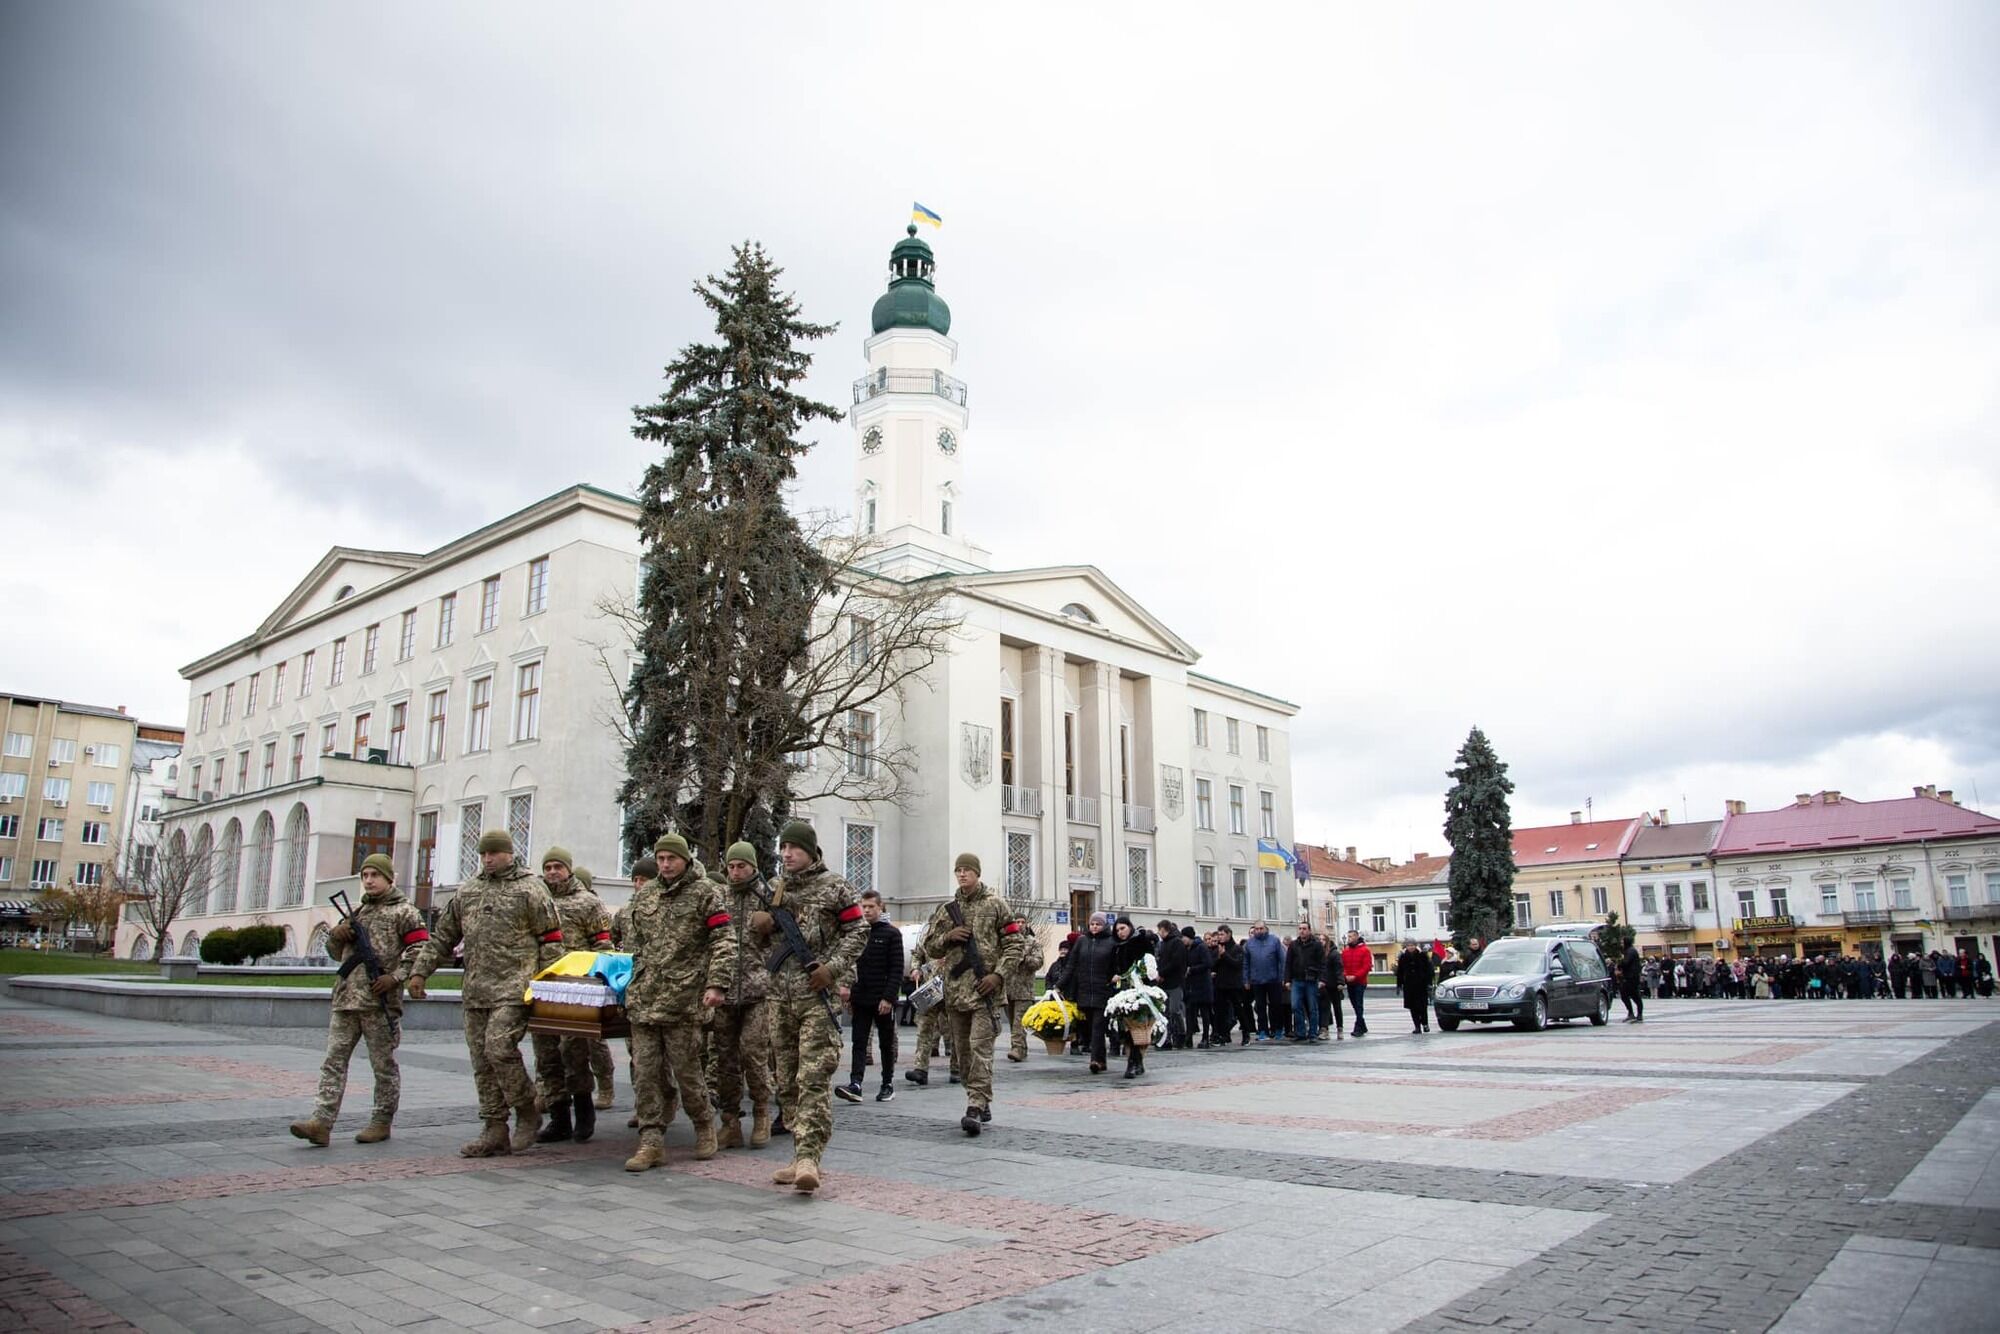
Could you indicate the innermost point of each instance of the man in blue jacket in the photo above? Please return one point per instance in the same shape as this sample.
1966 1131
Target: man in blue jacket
1264 974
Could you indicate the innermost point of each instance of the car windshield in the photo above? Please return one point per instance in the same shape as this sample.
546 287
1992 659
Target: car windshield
1511 956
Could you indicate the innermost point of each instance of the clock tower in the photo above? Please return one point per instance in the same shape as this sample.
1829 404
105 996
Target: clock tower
910 423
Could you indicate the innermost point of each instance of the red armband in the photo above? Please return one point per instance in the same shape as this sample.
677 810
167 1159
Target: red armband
717 919
416 937
851 912
552 937
600 937
1010 928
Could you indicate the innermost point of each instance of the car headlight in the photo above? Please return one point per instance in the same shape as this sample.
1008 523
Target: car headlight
1515 991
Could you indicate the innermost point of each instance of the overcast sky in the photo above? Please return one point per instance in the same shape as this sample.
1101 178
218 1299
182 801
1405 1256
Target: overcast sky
1621 379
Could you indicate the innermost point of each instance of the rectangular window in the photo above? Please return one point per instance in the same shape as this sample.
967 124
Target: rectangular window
270 763
1829 898
399 726
371 644
1993 886
944 518
99 794
861 857
1234 731
1263 743
1444 916
1524 911
1673 899
297 769
90 873
1378 919
479 715
1201 727
528 701
10 827
427 846
1204 875
207 696
538 585
1746 903
1409 916
1781 901
243 770
371 837
107 757
434 727
471 819
1899 892
277 685
1138 877
6 870
49 829
1006 742
406 636
20 745
1864 896
1020 865
1271 896
1700 891
250 695
93 832
1648 901
327 741
1239 891
194 774
1955 891
228 702
1235 808
447 615
44 873
1600 900
868 523
339 671
1204 804
1354 917
1069 754
1267 813
861 743
489 604
62 750
361 725
306 672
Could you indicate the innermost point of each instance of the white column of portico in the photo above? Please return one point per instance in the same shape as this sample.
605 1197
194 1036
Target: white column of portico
1044 700
1099 727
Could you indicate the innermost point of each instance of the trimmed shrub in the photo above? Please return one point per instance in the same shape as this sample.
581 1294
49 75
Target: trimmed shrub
260 940
222 945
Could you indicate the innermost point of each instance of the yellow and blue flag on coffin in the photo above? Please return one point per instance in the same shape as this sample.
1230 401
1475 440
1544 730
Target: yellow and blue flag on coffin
918 213
1273 855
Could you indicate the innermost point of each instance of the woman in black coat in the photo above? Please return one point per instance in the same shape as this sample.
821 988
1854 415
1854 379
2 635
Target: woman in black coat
1134 943
1087 981
1414 972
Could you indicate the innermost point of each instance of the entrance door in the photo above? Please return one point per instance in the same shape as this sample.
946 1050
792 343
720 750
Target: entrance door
1082 903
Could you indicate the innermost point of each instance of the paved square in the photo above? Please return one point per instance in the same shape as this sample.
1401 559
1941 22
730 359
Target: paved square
1736 1165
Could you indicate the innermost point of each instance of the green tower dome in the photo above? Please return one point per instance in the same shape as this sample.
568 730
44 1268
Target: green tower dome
912 301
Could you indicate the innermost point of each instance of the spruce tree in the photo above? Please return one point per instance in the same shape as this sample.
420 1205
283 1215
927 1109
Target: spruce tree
1480 830
728 580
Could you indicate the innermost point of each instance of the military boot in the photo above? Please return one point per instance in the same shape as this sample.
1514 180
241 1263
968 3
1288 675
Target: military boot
652 1152
558 1128
731 1134
527 1126
760 1125
784 1175
605 1092
586 1117
492 1142
315 1132
704 1140
374 1132
805 1176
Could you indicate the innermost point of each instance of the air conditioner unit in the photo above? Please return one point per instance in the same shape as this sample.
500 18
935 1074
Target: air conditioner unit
90 750
6 798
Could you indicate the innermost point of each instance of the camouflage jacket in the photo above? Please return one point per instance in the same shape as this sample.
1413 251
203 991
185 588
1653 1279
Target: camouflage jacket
1021 977
824 906
396 929
680 942
621 927
508 925
995 930
586 922
753 979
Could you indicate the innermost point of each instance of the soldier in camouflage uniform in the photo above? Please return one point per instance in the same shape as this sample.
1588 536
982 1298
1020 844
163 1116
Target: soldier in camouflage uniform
972 1001
396 930
803 1032
740 1030
683 957
562 1062
602 1067
621 932
507 922
1021 993
930 1027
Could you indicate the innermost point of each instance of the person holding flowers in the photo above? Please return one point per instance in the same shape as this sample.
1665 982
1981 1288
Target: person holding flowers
1086 979
1140 1005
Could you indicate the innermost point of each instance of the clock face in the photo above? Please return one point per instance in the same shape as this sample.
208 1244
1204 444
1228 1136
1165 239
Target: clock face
947 442
871 442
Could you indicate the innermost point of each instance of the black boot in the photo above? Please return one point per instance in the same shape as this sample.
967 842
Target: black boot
1132 1063
970 1123
586 1116
558 1128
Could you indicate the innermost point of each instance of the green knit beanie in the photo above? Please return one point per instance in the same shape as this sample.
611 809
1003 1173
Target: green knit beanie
967 861
583 876
740 852
800 835
560 854
379 862
673 844
496 840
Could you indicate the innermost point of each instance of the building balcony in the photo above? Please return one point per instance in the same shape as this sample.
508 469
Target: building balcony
1966 912
1675 921
1139 819
1020 800
1867 917
1081 810
936 384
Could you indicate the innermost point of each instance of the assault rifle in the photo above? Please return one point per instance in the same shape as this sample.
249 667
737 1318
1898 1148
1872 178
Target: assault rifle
361 954
794 947
969 958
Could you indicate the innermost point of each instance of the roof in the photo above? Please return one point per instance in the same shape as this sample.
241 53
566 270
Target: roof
1833 821
1654 841
70 706
1323 865
1416 871
1555 844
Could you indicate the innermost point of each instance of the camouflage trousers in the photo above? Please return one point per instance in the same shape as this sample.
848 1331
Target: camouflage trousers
930 1024
346 1028
562 1066
666 1067
493 1039
972 1034
601 1064
740 1038
807 1043
1017 1043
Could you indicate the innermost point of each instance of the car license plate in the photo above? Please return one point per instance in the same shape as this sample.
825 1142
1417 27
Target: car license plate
1478 1005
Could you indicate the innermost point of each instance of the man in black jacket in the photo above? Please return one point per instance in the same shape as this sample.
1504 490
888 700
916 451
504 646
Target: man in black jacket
1172 958
1198 991
873 996
1232 998
1305 964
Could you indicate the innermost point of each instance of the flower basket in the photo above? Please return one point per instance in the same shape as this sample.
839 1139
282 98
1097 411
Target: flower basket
1056 1046
1141 1032
1140 1006
1049 1019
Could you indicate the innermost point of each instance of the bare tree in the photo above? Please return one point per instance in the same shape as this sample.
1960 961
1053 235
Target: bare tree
162 887
93 906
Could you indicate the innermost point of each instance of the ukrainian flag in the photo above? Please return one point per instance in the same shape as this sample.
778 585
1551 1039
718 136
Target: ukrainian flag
1272 855
918 213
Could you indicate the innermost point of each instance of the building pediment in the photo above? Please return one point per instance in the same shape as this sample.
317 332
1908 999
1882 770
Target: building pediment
341 573
1080 596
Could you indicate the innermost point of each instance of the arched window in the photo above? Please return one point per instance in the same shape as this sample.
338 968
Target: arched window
200 871
228 868
1076 611
298 832
316 945
142 948
286 946
191 945
346 592
263 838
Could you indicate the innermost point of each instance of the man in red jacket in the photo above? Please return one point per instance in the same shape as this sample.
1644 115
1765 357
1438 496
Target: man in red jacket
1356 962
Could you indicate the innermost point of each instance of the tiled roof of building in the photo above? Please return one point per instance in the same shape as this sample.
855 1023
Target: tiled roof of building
1321 864
1552 845
1829 820
1417 871
1655 841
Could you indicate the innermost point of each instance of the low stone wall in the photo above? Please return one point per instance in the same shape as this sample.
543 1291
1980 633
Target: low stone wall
242 1007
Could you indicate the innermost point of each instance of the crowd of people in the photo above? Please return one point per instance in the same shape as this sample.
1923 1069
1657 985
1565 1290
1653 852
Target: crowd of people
1904 975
